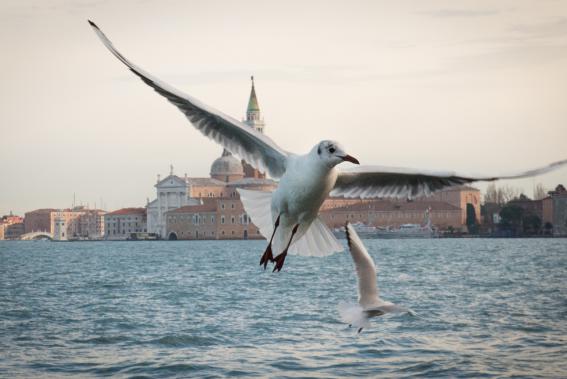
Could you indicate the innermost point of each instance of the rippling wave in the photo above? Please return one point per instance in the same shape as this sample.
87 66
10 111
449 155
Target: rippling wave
491 308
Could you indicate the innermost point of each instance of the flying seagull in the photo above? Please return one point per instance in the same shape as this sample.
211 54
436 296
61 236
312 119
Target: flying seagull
369 302
288 217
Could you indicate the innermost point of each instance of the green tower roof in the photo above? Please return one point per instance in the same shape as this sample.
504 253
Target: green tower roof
253 102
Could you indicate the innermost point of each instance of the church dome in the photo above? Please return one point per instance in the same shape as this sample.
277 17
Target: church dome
227 168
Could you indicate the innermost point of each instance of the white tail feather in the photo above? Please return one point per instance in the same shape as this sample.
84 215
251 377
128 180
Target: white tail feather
258 205
317 240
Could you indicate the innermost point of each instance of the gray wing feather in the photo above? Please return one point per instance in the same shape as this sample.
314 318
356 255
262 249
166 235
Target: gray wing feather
395 182
252 146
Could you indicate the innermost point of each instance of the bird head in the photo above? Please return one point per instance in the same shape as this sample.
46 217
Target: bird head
333 153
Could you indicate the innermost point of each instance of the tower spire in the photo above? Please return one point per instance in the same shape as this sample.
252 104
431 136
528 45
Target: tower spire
253 120
253 106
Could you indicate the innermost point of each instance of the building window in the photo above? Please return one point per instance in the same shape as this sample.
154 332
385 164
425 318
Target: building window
222 220
232 205
222 205
232 220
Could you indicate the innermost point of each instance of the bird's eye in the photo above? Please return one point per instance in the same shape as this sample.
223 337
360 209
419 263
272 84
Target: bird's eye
331 150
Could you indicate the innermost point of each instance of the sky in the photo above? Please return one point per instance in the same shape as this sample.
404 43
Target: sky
469 86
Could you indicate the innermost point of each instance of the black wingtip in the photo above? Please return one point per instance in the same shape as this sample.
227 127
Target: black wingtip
92 24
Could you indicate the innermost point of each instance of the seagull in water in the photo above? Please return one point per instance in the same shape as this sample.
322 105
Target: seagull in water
288 217
369 303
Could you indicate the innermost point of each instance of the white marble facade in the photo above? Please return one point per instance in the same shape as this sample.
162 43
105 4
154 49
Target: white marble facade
172 193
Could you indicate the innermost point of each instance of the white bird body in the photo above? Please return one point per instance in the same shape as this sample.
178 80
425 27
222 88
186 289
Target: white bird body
305 180
301 191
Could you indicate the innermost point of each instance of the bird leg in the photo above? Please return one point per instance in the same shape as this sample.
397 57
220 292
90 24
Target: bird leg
280 259
267 256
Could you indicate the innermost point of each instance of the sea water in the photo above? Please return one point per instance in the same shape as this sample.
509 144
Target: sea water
484 308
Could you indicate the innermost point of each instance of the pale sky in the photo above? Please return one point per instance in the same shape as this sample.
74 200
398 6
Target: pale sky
470 86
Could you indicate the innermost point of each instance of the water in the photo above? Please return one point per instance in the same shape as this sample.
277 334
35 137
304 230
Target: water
486 308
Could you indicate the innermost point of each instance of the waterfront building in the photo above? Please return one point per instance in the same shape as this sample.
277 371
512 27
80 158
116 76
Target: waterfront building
91 224
384 213
460 197
65 224
123 223
171 193
11 227
218 217
448 210
554 211
39 220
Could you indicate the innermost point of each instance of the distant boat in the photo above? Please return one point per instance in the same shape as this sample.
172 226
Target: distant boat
425 230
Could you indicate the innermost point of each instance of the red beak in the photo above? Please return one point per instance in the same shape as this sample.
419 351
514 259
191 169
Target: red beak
350 158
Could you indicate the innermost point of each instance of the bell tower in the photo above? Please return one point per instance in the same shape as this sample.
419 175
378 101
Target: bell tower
254 120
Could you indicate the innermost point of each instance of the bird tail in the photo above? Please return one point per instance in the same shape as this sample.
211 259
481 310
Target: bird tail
316 241
258 205
353 314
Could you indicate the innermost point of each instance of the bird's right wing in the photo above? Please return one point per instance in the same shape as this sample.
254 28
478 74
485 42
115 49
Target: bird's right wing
396 182
365 268
252 146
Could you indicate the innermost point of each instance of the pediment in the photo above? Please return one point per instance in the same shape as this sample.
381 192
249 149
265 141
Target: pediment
172 181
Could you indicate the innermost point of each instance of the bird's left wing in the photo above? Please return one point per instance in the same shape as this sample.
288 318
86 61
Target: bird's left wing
365 268
252 146
395 182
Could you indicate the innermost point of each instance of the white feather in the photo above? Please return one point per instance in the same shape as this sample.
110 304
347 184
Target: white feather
317 241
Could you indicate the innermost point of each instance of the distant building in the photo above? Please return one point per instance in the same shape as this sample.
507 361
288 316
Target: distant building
384 213
221 217
171 193
11 227
65 224
460 197
554 210
39 220
122 223
448 210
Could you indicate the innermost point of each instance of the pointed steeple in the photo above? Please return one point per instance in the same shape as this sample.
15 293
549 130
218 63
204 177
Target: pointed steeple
253 101
253 116
253 120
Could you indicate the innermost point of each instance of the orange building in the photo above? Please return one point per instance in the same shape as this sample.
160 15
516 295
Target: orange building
394 213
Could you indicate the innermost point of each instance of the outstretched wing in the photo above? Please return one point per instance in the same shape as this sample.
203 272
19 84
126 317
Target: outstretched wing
252 146
365 269
378 181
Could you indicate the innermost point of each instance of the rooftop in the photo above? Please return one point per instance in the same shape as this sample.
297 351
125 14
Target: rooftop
127 211
206 182
208 206
392 206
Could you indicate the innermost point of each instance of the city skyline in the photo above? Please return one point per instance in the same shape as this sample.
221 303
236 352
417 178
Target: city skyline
463 88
